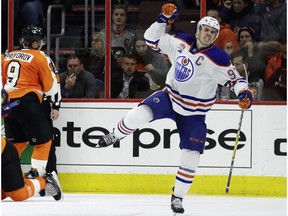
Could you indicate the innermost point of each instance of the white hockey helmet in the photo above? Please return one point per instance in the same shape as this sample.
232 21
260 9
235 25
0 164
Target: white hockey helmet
209 21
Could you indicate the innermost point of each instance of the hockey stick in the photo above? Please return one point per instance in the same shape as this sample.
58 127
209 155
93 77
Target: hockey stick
234 152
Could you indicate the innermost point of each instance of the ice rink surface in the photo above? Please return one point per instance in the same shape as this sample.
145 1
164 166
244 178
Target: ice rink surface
144 205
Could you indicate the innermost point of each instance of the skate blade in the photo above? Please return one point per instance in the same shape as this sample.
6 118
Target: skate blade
178 214
182 214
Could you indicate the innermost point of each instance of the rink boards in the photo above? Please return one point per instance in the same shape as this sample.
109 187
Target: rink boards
146 162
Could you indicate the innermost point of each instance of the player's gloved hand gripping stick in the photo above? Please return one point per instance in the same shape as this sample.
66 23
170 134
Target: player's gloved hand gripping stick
245 99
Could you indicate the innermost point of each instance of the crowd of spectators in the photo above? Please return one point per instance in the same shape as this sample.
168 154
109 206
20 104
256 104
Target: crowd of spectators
253 30
261 32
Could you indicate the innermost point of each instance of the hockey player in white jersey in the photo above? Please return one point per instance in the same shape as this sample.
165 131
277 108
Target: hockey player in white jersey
197 68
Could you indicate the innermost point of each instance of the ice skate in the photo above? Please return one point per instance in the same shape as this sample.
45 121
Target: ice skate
53 187
42 193
176 205
32 174
107 140
45 192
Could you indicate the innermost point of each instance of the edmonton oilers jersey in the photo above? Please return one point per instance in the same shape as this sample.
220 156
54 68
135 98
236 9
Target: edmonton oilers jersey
194 76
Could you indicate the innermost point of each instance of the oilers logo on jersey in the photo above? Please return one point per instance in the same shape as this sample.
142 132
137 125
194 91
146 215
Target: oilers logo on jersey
183 69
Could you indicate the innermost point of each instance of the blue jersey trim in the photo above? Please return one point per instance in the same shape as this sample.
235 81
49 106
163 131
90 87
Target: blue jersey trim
190 110
186 37
216 54
189 97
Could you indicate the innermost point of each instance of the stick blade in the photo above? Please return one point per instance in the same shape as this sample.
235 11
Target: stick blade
227 190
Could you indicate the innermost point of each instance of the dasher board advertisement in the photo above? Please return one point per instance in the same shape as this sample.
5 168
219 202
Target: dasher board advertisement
154 147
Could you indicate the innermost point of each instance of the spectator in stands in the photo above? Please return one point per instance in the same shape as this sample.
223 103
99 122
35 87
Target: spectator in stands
273 15
256 84
151 63
129 83
96 62
84 55
247 43
227 39
246 37
77 82
242 14
122 38
276 74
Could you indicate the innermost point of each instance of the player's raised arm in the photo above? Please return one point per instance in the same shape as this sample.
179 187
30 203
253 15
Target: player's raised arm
156 36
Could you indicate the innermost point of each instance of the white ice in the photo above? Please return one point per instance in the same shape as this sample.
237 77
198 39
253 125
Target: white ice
143 205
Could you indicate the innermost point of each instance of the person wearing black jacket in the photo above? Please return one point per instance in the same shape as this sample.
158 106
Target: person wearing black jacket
129 83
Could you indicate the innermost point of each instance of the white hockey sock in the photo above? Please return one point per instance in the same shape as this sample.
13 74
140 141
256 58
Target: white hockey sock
184 179
134 119
185 175
36 185
39 165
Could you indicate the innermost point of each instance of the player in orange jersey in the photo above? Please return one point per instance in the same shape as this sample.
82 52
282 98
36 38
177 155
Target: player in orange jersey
28 75
13 184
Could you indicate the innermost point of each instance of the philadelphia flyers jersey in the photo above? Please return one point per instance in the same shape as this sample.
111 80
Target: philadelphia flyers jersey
28 70
122 44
